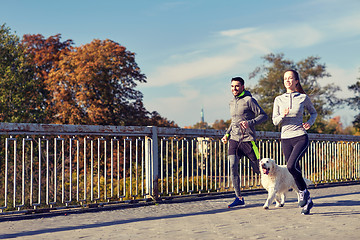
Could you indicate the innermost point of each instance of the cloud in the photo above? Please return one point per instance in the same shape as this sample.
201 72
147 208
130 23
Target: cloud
233 51
342 78
301 35
236 46
237 32
179 107
185 109
348 24
201 68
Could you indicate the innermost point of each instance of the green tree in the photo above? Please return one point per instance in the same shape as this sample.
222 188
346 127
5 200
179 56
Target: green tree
354 102
19 98
271 85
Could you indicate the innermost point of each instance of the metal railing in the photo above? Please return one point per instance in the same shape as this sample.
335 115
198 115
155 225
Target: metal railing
52 166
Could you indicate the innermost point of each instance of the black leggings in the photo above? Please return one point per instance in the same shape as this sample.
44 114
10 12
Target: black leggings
236 151
294 149
248 149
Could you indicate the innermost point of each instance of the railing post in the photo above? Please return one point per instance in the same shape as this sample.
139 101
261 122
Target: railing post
151 164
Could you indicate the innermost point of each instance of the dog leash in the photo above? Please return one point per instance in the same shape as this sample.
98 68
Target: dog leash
242 129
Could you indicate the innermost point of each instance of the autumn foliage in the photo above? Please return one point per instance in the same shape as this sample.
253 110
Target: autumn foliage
94 84
91 84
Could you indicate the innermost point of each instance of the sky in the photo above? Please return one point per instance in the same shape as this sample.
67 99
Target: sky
189 50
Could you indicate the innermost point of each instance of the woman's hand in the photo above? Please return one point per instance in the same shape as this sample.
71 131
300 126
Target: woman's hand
286 111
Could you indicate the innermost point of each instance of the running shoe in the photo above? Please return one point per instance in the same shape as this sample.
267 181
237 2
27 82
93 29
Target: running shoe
307 207
237 202
304 196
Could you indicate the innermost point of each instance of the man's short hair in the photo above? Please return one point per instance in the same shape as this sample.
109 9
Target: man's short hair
238 79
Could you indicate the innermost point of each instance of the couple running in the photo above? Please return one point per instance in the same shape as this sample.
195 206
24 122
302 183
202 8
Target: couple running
288 111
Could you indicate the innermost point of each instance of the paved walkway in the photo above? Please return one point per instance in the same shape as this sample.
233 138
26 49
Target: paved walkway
336 215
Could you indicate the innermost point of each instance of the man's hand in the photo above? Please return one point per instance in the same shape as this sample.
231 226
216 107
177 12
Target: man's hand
244 124
224 139
306 126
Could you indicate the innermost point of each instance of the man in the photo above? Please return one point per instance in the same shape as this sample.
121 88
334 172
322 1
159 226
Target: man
245 114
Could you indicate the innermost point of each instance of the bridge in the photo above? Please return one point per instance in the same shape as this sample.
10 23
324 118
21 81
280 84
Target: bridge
49 167
335 216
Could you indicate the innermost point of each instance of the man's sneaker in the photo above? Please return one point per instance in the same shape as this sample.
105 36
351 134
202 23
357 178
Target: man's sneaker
307 207
303 197
237 202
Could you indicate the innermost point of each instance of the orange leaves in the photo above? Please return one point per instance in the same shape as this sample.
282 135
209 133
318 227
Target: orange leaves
90 84
45 53
90 80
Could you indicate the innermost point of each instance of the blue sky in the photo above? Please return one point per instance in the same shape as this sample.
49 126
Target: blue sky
189 50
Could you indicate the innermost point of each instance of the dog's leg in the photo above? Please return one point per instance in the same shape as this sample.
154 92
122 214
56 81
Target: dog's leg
297 192
298 196
270 199
280 200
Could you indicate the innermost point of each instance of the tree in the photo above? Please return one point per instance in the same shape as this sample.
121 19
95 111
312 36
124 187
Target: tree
19 101
271 85
95 84
334 126
199 125
221 124
155 119
354 102
91 84
44 54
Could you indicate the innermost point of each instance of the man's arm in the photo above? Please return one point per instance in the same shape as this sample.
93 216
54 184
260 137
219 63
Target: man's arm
260 115
227 134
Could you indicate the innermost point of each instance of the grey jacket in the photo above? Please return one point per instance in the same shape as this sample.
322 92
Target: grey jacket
291 124
245 108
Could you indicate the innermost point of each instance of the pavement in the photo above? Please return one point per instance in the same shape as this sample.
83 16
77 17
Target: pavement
335 215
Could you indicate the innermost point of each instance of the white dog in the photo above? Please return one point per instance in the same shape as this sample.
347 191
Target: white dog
277 180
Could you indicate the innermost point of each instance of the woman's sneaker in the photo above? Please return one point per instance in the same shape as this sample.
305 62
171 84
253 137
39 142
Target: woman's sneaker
307 207
237 202
304 196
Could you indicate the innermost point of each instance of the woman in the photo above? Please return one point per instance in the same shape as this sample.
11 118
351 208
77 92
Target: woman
288 111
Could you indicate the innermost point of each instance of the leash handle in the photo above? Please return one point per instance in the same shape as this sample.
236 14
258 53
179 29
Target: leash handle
242 129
